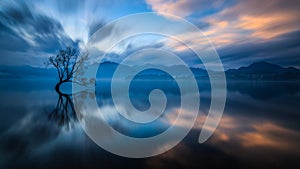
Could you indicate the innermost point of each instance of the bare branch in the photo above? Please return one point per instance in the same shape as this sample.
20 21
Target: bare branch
66 63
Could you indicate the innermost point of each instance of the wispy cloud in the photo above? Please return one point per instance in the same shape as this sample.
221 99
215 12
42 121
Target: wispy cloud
264 20
184 8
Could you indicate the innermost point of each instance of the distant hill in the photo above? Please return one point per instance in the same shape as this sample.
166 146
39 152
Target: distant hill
264 71
106 71
255 71
26 72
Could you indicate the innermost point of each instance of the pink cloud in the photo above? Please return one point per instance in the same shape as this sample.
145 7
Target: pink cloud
182 8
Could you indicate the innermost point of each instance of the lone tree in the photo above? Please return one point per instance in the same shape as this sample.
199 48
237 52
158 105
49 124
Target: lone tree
66 62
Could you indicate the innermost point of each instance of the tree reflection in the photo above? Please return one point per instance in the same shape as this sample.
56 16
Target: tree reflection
68 62
64 113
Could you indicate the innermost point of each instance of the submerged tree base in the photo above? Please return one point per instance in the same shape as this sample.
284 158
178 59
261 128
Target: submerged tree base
57 87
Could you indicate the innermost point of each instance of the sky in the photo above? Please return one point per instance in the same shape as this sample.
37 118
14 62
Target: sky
242 31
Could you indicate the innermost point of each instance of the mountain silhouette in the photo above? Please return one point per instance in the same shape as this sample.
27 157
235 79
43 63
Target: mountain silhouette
255 71
264 70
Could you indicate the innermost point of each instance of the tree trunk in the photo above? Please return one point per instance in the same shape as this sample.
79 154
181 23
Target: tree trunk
57 87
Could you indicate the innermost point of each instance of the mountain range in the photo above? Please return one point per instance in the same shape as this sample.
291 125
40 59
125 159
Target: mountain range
265 71
255 71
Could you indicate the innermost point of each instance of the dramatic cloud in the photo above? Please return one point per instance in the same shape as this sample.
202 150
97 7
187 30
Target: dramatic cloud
247 20
78 18
242 31
280 50
26 32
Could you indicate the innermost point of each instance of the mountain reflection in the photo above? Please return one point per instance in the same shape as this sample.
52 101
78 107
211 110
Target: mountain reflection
264 89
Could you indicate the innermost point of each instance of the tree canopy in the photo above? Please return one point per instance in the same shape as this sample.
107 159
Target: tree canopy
67 62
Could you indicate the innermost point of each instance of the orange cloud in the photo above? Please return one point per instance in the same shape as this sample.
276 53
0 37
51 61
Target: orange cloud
182 8
243 133
171 7
269 135
269 26
263 19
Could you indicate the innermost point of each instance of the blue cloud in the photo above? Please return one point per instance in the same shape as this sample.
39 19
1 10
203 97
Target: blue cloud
283 50
23 29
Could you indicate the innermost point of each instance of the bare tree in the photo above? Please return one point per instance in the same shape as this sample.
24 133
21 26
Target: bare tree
66 62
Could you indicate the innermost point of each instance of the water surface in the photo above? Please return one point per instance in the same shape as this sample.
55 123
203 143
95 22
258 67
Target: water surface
260 127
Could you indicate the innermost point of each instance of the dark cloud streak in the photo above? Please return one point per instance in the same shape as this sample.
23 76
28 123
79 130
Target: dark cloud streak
283 50
23 29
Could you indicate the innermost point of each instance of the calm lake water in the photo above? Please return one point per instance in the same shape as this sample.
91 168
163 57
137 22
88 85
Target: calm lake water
260 128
